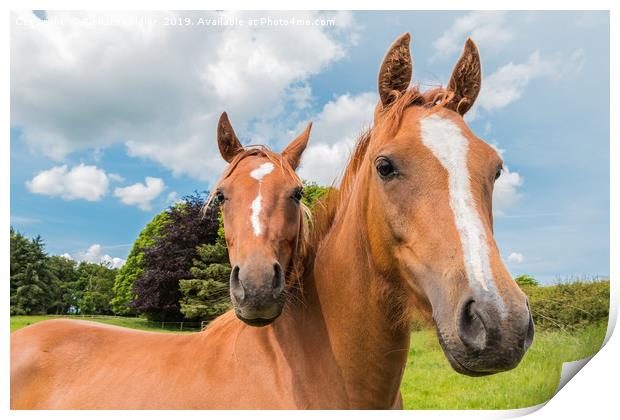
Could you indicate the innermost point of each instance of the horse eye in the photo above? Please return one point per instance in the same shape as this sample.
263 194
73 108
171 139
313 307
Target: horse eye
219 197
385 168
499 172
298 195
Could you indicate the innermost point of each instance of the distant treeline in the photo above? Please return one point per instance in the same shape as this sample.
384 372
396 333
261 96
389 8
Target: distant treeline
43 284
177 269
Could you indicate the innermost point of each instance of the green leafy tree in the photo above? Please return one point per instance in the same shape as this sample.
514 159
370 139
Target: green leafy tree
134 266
525 280
30 276
95 283
64 285
313 192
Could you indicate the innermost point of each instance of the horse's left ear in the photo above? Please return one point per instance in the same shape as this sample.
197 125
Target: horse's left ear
293 151
396 71
466 79
227 140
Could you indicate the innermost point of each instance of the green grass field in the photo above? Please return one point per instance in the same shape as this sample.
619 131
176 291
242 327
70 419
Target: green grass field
18 322
430 383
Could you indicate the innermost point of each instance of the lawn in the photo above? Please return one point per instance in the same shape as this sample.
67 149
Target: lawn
18 322
430 383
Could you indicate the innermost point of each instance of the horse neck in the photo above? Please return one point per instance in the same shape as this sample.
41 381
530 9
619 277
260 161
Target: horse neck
352 298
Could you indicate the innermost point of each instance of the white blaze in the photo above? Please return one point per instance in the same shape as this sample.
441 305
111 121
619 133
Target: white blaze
256 206
445 139
260 172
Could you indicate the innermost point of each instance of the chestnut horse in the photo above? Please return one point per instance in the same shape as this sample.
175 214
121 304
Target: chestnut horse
68 364
409 228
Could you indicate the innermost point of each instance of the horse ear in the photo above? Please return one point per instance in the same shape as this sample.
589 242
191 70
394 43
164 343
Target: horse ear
466 79
227 140
293 151
396 70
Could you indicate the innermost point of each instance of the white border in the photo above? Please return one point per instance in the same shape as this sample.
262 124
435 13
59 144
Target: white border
592 394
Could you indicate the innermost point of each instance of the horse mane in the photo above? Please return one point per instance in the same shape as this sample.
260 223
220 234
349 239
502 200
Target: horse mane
328 207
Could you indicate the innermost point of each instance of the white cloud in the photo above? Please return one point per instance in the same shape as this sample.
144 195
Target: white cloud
115 177
173 198
573 65
507 84
506 191
113 262
161 89
489 29
515 258
140 194
80 182
94 254
324 163
301 96
334 132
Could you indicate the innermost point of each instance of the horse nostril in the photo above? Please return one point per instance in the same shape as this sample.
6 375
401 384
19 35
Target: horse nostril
471 329
529 335
236 287
278 280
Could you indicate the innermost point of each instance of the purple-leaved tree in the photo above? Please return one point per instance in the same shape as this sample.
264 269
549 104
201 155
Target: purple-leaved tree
171 258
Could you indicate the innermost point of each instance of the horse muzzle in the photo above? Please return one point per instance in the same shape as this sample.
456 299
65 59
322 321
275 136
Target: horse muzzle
483 341
256 292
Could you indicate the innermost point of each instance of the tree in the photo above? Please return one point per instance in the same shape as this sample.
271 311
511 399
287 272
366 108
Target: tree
205 295
95 282
171 257
134 266
525 280
313 192
30 277
64 285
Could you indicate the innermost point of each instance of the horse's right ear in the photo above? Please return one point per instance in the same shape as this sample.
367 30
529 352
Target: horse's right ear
227 140
293 151
466 79
396 70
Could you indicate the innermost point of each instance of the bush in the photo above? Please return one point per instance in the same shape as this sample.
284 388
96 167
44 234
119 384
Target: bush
568 306
525 280
313 192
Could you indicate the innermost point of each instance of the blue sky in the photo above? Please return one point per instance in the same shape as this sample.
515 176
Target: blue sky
110 123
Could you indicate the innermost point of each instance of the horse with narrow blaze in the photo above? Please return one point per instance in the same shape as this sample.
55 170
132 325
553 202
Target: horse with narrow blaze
321 316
